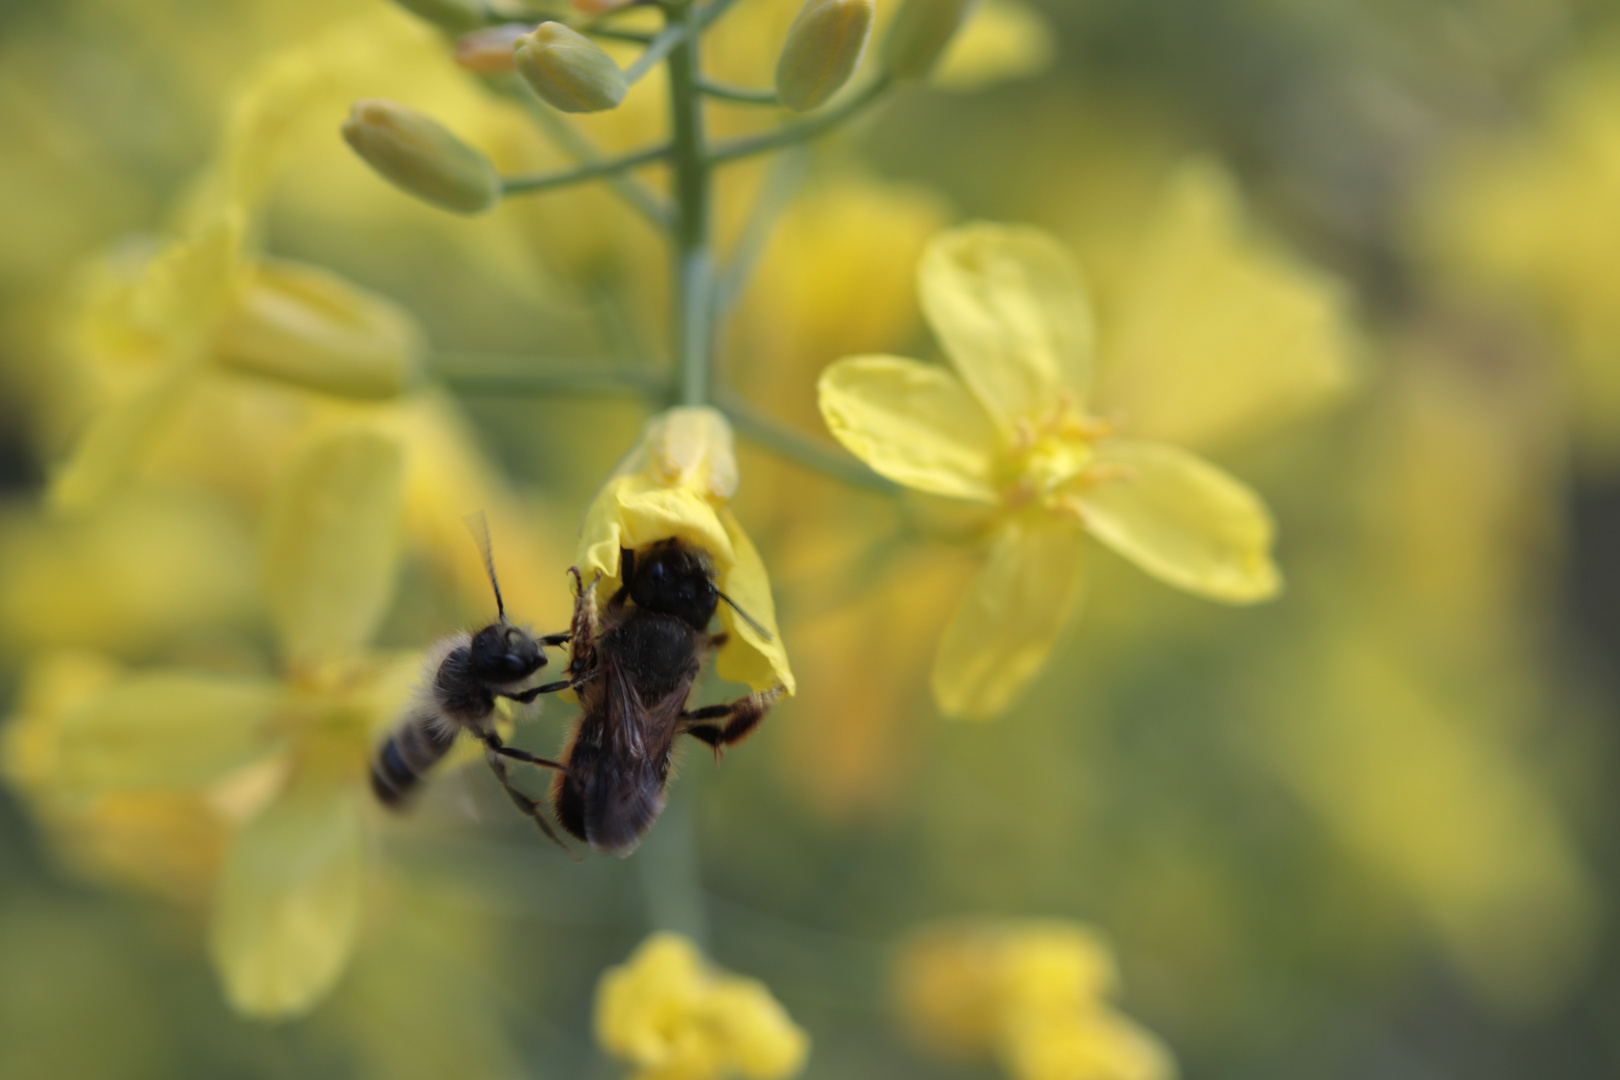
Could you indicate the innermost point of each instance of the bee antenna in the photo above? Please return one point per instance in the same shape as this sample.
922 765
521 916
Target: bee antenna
747 618
478 525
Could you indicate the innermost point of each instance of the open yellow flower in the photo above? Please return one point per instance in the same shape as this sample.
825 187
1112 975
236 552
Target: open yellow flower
677 483
1009 427
282 760
154 319
668 1013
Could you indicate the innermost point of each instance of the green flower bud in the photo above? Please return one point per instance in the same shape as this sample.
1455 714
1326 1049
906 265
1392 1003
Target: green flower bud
418 154
919 33
306 326
569 70
823 47
453 16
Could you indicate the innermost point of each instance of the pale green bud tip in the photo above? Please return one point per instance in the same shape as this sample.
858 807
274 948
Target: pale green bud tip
823 47
418 154
919 34
489 51
569 70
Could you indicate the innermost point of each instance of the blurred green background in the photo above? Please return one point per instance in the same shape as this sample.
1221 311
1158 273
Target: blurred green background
1366 830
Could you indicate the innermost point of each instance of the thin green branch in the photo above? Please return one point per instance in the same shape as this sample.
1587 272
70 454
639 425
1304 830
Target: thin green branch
503 375
741 95
711 12
635 37
802 130
528 183
801 449
781 184
660 46
692 243
578 145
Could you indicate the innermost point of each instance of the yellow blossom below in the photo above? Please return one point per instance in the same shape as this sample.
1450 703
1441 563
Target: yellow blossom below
1030 993
674 1018
677 483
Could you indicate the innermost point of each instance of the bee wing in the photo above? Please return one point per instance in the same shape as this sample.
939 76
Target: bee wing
627 794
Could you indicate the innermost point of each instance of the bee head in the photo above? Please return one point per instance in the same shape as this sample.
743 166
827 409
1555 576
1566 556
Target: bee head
673 578
501 653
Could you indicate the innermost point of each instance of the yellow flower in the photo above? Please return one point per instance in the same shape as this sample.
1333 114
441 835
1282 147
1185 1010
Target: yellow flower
1008 428
674 1018
282 760
153 320
1030 992
677 483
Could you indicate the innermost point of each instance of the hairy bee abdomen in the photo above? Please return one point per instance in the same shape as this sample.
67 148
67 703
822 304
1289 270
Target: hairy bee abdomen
414 747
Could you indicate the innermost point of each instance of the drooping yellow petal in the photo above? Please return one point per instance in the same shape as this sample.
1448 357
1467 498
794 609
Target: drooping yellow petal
307 326
1009 307
915 423
1007 624
1182 520
164 730
1220 336
759 663
333 544
118 439
634 511
288 901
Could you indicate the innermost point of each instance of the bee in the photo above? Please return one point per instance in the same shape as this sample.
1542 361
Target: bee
634 664
465 674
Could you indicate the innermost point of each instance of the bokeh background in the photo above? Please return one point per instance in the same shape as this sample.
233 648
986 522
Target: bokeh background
1367 829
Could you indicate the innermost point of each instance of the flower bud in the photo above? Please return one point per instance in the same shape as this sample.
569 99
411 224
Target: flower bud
823 46
569 70
489 51
303 325
454 16
919 34
418 154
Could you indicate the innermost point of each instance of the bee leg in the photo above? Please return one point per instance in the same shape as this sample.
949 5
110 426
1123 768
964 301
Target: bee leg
527 697
557 639
718 640
529 806
723 725
583 631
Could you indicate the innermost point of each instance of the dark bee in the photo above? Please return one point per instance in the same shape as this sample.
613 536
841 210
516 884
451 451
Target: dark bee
634 666
467 672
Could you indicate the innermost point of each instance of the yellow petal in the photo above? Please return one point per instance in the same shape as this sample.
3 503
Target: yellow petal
1008 622
1097 1042
747 658
1182 520
118 439
164 730
1220 336
915 423
634 511
1003 40
1008 305
288 900
333 544
307 326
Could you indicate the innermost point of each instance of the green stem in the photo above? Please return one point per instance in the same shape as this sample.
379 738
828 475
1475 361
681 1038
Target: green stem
802 449
741 95
579 146
503 376
801 131
528 183
712 11
693 246
660 47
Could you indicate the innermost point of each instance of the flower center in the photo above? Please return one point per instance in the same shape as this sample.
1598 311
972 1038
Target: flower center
1047 453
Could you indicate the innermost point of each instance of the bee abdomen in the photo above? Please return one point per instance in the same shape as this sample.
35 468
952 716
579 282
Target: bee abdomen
415 746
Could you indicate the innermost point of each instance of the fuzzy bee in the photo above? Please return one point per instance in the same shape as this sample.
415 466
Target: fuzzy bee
634 664
466 673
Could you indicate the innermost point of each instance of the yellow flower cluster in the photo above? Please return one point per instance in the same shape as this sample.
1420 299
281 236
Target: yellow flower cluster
1032 993
674 1018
